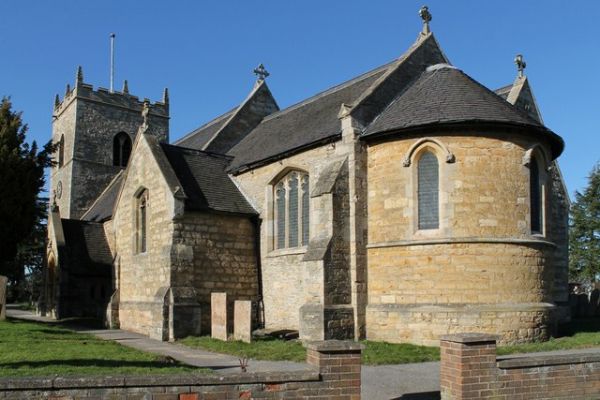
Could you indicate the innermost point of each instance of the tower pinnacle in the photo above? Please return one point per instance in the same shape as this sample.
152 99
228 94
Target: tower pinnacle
79 77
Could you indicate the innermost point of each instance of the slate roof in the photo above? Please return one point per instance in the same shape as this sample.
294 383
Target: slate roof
198 138
102 208
311 121
87 246
444 95
205 182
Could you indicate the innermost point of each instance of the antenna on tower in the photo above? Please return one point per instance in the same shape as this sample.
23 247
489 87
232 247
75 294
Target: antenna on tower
112 62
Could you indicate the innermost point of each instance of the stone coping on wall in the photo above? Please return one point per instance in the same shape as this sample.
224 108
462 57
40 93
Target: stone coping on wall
546 360
463 240
122 381
461 307
334 346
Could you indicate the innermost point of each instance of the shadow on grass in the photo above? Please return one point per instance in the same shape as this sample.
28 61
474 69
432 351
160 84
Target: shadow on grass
579 325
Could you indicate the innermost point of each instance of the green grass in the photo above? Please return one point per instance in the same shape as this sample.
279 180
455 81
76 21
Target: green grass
579 334
576 335
34 349
375 353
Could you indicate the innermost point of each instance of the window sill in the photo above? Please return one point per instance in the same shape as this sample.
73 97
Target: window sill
287 252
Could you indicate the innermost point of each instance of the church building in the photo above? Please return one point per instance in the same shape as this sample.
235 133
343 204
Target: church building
406 203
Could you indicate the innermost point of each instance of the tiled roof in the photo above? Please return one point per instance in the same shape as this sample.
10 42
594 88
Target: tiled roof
310 121
102 208
87 246
198 138
205 182
445 95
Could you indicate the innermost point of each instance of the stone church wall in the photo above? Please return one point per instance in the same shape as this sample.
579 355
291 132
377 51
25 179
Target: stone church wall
144 277
288 281
220 258
482 270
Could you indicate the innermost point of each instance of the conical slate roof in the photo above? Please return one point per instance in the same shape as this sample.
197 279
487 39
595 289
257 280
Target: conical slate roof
444 95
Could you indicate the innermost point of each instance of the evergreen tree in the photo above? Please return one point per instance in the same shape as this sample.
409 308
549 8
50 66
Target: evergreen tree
21 180
584 233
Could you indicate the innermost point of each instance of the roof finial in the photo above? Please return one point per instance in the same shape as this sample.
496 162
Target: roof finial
261 73
79 78
166 96
56 101
426 17
521 64
145 112
125 87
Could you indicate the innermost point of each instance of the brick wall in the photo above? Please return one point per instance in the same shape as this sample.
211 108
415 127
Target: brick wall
471 370
336 375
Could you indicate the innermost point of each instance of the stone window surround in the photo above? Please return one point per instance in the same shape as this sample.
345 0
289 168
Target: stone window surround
537 154
442 152
61 151
140 240
271 208
122 147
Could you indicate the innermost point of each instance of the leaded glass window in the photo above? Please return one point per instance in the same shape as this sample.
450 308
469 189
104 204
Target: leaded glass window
536 196
291 210
428 191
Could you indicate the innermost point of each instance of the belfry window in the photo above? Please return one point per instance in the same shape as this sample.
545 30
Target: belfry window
428 191
121 149
291 210
535 190
141 222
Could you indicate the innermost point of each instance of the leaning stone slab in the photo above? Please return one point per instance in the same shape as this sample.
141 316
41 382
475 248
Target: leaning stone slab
218 313
242 320
3 282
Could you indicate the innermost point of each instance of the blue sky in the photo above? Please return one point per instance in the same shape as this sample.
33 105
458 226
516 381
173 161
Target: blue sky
204 52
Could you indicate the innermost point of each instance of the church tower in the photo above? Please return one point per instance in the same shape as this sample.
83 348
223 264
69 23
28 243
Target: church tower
95 130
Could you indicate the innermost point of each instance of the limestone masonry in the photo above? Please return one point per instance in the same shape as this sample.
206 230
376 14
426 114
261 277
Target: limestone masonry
405 204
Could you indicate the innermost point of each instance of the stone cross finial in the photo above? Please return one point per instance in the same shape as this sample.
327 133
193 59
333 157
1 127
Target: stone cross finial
125 87
145 112
79 78
426 17
261 73
521 64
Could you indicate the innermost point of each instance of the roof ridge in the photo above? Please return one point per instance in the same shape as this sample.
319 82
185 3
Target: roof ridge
207 124
332 89
106 189
204 152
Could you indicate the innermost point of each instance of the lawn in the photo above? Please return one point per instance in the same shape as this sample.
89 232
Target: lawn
576 335
34 349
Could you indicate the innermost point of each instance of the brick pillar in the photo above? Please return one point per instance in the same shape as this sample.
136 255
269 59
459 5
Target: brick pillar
468 366
338 362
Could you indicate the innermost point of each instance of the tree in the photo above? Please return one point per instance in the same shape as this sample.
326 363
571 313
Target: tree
21 180
584 233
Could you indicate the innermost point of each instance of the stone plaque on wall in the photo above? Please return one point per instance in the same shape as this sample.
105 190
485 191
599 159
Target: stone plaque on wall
3 281
242 320
218 313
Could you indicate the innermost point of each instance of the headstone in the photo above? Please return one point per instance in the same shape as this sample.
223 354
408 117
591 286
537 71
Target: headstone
242 320
218 313
3 282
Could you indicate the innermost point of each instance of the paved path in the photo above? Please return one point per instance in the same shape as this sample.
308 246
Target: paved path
406 382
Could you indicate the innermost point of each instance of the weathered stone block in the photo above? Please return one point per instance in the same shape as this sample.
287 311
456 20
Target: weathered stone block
242 320
218 313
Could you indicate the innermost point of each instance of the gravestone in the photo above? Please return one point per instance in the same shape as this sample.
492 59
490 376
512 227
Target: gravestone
218 313
242 320
3 281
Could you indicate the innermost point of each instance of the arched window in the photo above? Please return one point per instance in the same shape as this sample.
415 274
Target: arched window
535 191
428 191
141 221
61 151
291 209
121 149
